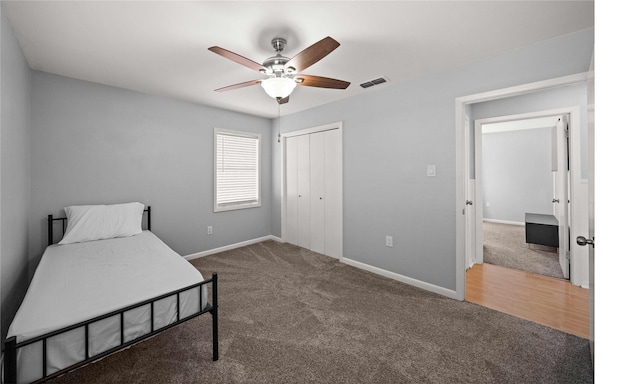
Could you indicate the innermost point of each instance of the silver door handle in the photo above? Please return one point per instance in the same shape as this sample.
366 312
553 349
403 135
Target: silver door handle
555 200
469 202
581 240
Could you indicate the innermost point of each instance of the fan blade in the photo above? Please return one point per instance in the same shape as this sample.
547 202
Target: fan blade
321 82
239 85
313 54
283 100
238 59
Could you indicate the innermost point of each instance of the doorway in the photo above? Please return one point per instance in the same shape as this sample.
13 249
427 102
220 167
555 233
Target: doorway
522 206
468 218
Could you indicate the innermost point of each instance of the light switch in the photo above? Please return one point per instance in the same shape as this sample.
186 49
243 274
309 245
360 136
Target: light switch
431 170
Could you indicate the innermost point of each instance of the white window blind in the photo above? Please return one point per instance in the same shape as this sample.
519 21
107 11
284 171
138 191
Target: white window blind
237 170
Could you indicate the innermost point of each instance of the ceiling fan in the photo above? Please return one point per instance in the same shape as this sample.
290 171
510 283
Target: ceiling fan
284 73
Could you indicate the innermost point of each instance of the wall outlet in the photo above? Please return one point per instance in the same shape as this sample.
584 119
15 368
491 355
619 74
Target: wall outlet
389 241
209 230
488 204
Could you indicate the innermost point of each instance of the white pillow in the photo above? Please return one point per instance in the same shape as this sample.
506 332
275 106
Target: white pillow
99 222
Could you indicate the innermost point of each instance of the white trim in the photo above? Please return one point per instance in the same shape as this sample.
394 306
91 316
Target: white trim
320 128
520 125
479 192
504 222
529 115
460 108
523 89
401 278
231 246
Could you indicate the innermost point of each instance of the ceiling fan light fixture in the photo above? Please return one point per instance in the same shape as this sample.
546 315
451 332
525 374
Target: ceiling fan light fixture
278 87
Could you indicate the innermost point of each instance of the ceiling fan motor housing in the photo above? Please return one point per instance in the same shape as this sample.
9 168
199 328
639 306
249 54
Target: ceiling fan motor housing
276 64
278 43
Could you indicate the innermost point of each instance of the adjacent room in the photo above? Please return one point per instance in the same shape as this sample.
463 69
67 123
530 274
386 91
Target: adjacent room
295 191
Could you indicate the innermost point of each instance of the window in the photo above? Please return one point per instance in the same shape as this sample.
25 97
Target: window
236 170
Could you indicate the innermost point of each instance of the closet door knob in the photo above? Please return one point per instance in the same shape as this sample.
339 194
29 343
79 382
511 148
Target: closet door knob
321 198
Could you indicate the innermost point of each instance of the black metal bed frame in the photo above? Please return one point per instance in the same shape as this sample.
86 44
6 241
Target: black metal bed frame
12 346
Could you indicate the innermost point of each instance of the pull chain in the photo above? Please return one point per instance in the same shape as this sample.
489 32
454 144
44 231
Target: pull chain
278 122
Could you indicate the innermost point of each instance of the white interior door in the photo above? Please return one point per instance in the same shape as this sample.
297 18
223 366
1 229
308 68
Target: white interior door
333 193
591 235
479 195
291 179
560 166
317 186
304 229
470 211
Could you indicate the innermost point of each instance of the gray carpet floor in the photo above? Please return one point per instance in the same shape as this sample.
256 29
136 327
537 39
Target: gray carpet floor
288 315
505 245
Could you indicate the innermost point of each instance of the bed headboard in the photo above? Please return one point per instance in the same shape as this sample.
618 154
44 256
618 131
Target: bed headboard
51 219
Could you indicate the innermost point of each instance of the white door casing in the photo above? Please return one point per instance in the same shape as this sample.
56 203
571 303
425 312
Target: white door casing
564 218
561 192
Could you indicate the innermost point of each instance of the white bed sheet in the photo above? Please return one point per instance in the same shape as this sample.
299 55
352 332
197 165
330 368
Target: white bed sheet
76 282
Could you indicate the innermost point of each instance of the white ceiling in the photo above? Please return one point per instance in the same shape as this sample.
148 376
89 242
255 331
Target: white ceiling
160 47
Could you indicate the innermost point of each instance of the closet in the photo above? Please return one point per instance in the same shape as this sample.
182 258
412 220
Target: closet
313 190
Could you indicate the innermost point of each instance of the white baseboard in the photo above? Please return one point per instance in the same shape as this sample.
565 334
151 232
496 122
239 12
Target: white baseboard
378 271
401 278
504 222
231 246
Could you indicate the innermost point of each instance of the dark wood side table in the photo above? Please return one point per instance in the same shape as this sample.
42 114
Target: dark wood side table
541 229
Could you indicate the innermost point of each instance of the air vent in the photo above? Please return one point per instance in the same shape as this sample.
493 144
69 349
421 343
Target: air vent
371 83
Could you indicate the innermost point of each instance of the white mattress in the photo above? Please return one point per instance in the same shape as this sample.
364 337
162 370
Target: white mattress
76 282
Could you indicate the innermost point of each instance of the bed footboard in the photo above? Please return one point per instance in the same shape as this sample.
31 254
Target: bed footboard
12 346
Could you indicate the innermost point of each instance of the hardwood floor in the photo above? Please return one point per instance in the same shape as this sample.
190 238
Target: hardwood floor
541 299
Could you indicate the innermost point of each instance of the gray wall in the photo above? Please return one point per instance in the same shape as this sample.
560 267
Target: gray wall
392 133
560 97
15 83
517 174
95 144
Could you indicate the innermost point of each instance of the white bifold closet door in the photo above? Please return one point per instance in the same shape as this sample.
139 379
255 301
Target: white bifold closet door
314 191
298 221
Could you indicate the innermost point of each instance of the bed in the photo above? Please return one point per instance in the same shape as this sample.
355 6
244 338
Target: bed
94 293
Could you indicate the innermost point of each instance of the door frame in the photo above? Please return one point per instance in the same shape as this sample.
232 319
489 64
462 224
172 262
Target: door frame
283 171
462 167
574 178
